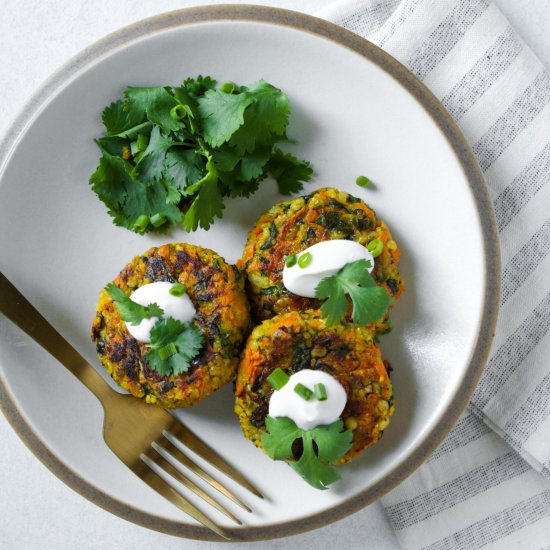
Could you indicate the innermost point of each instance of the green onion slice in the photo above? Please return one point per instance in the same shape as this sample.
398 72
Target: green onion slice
291 260
320 392
278 378
228 87
178 112
178 289
375 247
142 142
362 181
304 260
167 351
157 220
140 225
303 392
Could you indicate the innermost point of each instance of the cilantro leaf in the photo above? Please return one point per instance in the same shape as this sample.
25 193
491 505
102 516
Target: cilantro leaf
252 165
222 114
111 180
148 200
165 332
225 158
198 86
336 306
173 195
130 311
188 100
266 119
288 171
370 302
151 164
114 145
332 443
191 340
187 339
207 205
155 103
234 186
316 472
320 446
278 440
117 119
183 167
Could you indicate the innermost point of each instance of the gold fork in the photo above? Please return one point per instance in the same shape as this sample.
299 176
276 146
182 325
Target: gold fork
141 435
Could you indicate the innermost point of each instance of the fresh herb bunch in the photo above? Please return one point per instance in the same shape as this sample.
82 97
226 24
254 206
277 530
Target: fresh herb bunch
370 302
322 446
173 343
170 155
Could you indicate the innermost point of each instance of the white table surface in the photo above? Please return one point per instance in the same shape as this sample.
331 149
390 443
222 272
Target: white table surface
36 509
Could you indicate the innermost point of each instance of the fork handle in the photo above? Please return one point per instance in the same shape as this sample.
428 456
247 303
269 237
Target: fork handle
23 314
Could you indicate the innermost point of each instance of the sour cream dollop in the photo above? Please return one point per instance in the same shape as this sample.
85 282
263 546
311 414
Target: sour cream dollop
327 258
179 307
309 414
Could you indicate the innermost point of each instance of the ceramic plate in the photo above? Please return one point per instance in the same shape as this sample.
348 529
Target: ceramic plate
355 111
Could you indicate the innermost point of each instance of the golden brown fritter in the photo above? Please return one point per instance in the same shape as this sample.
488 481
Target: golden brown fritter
216 289
301 340
292 226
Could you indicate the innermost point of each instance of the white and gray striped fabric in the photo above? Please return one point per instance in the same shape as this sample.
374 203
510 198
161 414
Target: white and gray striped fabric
488 485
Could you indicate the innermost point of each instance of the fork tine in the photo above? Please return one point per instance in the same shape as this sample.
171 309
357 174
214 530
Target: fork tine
159 459
144 471
189 439
182 458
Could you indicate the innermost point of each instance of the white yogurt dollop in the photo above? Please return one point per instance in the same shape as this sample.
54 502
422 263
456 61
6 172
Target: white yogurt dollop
179 307
327 258
309 414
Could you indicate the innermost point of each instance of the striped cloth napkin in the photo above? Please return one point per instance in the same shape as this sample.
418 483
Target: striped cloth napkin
488 484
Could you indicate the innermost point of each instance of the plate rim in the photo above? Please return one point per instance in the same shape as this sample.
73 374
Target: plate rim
491 245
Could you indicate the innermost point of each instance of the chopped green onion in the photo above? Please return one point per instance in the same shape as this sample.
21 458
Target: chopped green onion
363 181
157 220
167 351
278 378
142 142
320 392
303 392
304 260
228 87
140 225
375 247
178 112
178 290
291 260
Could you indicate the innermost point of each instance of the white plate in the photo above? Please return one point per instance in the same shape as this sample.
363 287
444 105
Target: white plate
355 111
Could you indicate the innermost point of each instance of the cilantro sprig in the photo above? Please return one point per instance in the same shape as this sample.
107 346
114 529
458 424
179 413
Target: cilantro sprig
171 155
173 344
370 302
131 311
321 447
187 341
